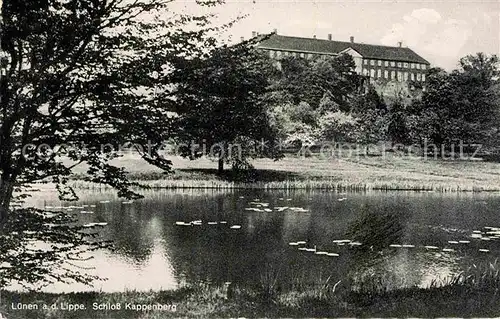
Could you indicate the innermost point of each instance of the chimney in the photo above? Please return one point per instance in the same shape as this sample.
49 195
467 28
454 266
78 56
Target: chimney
242 39
352 39
314 36
330 36
275 31
254 34
400 44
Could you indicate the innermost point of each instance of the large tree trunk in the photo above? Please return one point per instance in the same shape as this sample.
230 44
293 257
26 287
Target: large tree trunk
220 169
6 191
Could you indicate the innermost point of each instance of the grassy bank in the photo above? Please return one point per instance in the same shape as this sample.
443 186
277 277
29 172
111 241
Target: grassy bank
391 172
461 296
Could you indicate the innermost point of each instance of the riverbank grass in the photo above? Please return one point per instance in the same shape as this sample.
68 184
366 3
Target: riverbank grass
473 293
458 301
390 172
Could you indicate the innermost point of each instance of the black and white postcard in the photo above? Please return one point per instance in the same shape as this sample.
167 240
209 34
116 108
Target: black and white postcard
249 159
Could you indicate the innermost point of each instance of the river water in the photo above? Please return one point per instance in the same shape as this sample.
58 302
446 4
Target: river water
249 237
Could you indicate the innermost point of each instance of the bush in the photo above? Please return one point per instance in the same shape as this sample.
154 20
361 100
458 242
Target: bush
337 126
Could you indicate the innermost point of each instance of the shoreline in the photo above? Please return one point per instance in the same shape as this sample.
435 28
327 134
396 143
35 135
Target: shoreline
387 174
205 300
292 185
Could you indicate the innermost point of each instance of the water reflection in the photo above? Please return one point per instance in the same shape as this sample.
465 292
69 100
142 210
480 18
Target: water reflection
152 252
378 228
128 222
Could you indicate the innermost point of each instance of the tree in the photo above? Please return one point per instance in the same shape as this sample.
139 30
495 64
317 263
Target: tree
306 92
397 126
77 77
431 116
372 114
220 103
337 127
476 83
461 105
312 80
296 124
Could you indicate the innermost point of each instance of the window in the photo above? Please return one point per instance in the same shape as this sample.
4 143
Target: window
365 62
400 76
418 66
386 63
423 77
399 64
412 66
365 72
406 76
423 66
372 73
379 73
302 55
393 64
418 77
412 75
386 74
379 62
372 62
393 75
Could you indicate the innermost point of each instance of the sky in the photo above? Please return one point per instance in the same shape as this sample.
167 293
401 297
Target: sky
441 32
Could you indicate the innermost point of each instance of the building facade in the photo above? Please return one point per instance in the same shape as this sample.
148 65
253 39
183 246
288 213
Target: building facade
387 68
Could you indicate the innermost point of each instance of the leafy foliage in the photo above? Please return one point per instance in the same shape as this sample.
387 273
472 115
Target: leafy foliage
461 105
306 93
81 78
372 113
296 124
310 80
83 74
220 103
40 247
338 127
397 126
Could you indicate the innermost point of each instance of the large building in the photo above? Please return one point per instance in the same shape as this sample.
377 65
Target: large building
388 68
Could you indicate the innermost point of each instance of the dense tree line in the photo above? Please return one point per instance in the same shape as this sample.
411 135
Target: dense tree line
462 105
305 102
318 100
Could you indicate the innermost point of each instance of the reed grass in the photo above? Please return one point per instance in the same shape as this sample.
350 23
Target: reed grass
331 185
482 276
344 174
474 292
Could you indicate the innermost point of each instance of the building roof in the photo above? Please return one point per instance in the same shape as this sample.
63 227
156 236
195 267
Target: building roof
370 51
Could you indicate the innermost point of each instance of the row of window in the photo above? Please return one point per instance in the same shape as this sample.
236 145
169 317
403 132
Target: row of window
406 65
418 66
393 75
